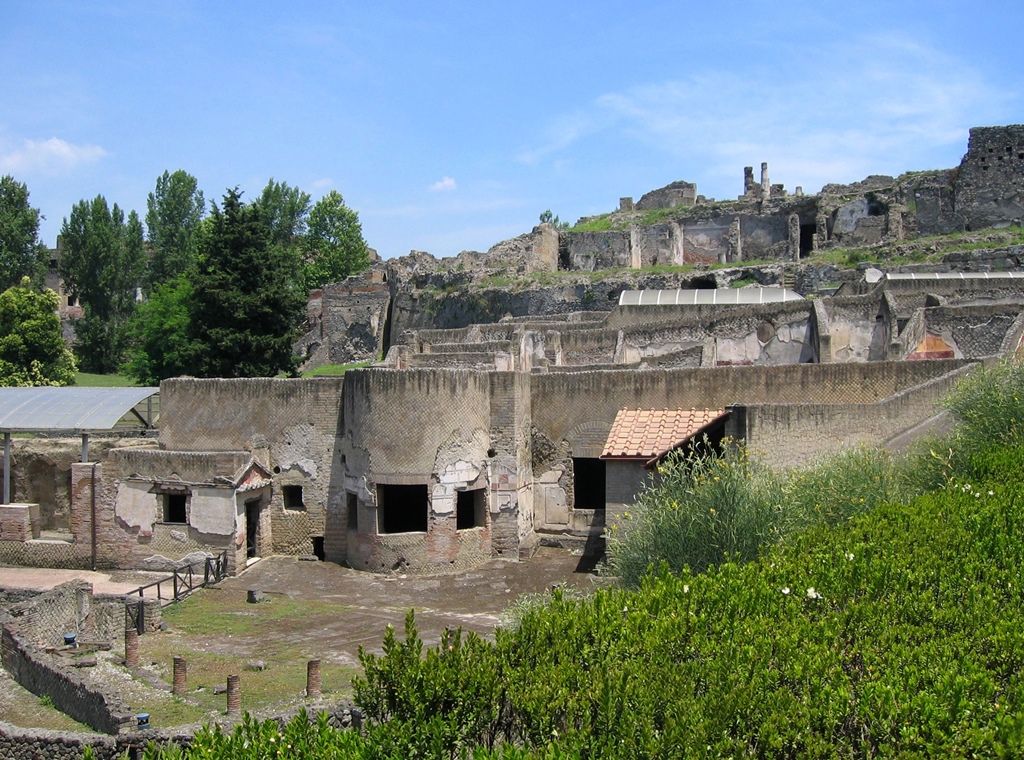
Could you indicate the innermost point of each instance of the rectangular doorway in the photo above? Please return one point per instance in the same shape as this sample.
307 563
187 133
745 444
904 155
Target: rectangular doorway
252 528
588 483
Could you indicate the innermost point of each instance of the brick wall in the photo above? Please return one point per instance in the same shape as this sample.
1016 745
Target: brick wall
292 424
790 435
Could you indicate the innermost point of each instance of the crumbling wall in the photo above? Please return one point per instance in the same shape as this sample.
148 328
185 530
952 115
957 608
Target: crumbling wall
38 624
289 426
990 184
448 430
346 321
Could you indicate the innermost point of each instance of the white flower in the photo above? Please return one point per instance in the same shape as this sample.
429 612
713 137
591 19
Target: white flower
812 594
991 493
849 556
686 589
784 590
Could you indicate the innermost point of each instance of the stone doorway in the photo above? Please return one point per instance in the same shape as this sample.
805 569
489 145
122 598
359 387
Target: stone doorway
252 528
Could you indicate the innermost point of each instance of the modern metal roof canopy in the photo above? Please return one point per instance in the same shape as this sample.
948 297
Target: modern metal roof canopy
78 410
707 297
44 410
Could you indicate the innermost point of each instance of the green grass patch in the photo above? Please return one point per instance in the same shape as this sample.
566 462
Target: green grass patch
335 370
220 634
90 380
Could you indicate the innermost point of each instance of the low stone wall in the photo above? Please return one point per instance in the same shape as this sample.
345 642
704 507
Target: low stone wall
34 744
31 633
17 743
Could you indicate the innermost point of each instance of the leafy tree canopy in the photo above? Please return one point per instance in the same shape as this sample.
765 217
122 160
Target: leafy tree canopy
334 245
247 297
32 348
161 334
174 210
102 264
21 253
285 210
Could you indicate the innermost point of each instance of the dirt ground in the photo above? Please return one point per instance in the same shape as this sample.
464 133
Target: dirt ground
472 600
313 609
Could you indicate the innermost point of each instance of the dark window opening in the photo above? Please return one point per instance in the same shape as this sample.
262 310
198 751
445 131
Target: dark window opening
293 497
318 548
807 232
401 509
175 508
470 510
588 483
352 507
875 206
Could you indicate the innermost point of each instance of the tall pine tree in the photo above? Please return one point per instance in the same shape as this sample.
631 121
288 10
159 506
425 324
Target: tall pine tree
247 301
102 264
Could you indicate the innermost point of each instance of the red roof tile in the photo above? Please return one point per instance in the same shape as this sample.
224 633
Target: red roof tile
646 434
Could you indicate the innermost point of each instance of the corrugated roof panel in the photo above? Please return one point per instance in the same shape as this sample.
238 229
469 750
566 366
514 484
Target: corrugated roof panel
53 409
707 296
954 275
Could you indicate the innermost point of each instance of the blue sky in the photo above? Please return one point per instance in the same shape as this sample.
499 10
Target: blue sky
450 126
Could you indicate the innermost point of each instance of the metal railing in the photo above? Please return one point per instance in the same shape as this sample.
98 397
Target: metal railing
183 581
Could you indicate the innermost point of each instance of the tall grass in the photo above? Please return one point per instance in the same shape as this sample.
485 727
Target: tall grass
700 512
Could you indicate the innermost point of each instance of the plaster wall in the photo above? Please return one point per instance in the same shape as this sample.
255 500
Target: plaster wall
289 426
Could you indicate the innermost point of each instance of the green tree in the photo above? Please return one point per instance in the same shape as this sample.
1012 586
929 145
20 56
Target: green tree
102 265
334 246
173 212
546 217
247 301
32 348
21 253
285 210
161 334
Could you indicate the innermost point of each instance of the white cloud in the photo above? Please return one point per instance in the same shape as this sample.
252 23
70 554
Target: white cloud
322 184
443 185
835 112
53 156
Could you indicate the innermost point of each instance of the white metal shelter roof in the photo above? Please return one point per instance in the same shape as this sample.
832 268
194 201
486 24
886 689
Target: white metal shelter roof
45 409
954 275
707 297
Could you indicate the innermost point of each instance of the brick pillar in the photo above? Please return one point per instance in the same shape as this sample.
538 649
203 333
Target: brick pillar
234 696
131 648
180 684
313 678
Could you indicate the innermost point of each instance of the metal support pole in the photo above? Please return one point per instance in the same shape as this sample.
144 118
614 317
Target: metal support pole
7 468
85 447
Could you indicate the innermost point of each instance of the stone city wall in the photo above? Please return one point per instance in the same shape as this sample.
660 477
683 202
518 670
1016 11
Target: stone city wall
792 435
563 402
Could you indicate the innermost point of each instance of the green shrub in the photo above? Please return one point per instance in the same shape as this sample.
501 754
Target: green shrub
853 481
702 511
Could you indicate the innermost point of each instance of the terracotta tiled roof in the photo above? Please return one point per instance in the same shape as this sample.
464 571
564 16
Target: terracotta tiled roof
646 434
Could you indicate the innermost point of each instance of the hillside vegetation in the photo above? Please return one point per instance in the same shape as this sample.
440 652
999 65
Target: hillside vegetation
892 630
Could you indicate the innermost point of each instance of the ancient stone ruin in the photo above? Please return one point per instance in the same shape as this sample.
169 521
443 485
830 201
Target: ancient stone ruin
493 414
